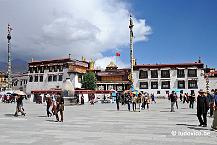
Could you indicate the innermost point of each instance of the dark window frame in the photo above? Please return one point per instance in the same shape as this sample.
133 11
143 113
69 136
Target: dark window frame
190 74
179 83
41 78
154 73
49 78
180 73
152 85
36 78
190 83
143 83
30 78
143 74
60 77
163 85
165 73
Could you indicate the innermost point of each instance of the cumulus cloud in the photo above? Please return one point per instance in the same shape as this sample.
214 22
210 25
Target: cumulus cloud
102 63
54 28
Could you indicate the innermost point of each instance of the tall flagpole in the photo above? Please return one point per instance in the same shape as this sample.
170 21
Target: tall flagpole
9 73
131 50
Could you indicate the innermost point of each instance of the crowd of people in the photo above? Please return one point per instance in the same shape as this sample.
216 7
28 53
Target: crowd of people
137 101
205 102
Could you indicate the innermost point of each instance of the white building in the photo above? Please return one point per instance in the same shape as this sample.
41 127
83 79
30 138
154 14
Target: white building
19 81
212 80
162 79
50 74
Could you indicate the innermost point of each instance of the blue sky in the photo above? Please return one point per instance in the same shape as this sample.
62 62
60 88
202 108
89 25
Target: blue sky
182 31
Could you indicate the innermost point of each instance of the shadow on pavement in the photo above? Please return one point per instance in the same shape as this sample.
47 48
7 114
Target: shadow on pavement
51 120
164 111
187 125
9 115
198 128
43 116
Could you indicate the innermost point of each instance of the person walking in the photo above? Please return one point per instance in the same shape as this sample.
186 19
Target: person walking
117 101
181 96
49 103
82 99
152 98
211 103
191 100
172 98
176 96
134 99
60 107
202 108
128 100
19 107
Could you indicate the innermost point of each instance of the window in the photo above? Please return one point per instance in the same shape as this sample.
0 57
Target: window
50 69
55 68
143 85
192 84
154 74
180 73
54 78
181 84
49 78
60 68
31 70
41 78
41 69
154 85
60 78
165 73
165 85
192 73
79 78
158 92
30 78
21 83
36 79
143 74
36 70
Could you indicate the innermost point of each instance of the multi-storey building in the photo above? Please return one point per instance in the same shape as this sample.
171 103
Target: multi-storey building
19 81
113 78
3 81
161 79
50 74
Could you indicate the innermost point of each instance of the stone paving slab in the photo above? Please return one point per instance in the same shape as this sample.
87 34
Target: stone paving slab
101 124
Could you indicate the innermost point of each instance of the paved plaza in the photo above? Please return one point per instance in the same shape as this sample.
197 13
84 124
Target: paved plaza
101 124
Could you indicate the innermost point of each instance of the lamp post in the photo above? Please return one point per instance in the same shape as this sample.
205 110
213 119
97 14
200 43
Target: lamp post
9 73
131 51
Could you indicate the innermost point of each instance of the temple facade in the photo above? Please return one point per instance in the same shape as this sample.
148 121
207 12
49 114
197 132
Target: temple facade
113 78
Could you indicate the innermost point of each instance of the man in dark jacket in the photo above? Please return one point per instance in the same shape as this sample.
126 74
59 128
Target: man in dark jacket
173 100
202 108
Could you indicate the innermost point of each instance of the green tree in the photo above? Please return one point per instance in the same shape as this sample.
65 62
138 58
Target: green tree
89 81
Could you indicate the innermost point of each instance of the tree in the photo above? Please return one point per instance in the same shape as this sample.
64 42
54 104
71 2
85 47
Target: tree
89 81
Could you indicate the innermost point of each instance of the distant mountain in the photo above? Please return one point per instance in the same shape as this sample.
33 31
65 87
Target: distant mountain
18 65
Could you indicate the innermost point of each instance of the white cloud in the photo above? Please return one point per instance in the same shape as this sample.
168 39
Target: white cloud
55 28
102 63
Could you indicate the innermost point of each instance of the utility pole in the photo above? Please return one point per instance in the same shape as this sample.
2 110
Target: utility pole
131 51
9 73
